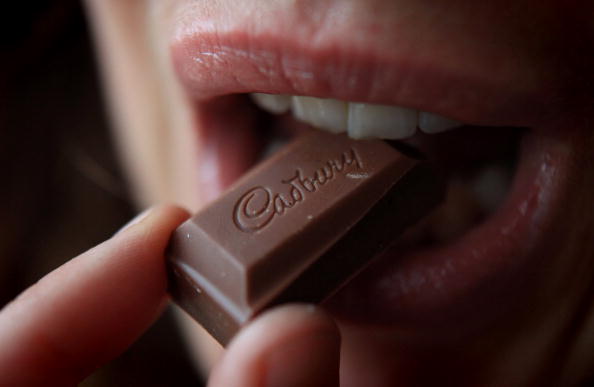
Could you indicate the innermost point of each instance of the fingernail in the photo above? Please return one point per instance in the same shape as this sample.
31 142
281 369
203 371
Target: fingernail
136 220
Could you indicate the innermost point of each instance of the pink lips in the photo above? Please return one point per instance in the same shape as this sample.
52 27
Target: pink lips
427 287
211 65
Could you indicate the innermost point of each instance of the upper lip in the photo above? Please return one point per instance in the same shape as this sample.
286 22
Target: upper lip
212 64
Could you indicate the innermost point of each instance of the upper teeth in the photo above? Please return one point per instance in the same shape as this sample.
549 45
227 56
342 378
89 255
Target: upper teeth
360 120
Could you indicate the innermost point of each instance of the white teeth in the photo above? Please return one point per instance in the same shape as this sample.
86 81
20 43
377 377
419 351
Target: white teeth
360 120
392 122
273 103
329 114
434 123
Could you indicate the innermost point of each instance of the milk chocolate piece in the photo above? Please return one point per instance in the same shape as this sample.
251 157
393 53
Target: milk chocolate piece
296 228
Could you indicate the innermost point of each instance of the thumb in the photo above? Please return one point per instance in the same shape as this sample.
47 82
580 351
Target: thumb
295 345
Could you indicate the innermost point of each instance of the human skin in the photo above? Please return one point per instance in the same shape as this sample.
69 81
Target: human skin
525 315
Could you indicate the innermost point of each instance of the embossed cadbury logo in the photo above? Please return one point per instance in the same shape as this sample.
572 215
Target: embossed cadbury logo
258 207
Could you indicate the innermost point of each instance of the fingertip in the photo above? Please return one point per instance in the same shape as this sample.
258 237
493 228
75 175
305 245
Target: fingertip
140 245
294 345
280 322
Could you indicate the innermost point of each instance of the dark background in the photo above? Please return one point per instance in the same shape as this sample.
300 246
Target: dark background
60 188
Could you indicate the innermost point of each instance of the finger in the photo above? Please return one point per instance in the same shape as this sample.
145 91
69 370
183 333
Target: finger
90 309
297 345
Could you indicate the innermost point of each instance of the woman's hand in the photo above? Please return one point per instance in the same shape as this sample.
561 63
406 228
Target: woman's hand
92 308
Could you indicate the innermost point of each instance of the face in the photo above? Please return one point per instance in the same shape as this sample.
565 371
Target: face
496 285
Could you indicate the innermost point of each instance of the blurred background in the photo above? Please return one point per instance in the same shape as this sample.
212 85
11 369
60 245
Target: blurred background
61 189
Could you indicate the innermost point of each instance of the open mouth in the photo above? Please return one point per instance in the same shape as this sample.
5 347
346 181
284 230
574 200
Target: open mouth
474 251
470 251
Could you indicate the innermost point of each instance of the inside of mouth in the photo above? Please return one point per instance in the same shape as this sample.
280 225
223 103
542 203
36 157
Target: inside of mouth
479 162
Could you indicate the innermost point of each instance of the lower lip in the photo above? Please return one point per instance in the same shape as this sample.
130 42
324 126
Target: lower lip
470 278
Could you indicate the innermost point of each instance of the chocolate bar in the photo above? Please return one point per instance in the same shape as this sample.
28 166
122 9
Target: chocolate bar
296 228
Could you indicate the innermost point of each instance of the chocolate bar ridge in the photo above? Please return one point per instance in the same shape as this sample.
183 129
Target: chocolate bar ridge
296 228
